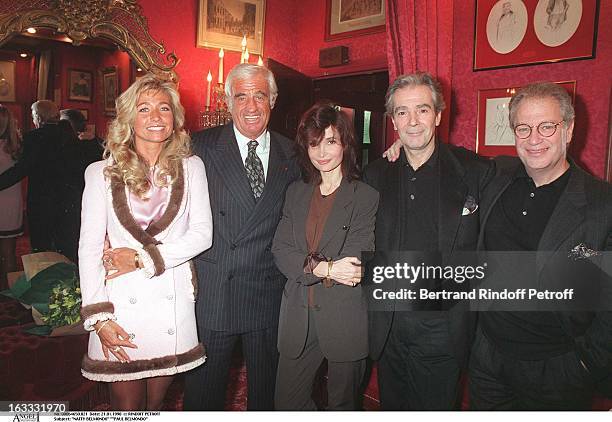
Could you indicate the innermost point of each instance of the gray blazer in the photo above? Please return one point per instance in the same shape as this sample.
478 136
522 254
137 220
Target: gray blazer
341 313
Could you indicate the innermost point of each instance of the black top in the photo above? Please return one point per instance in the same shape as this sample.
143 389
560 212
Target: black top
419 192
517 223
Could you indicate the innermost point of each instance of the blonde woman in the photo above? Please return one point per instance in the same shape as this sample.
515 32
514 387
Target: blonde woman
150 198
11 202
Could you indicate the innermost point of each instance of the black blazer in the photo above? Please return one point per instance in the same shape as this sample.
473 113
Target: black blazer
583 215
463 177
239 286
341 313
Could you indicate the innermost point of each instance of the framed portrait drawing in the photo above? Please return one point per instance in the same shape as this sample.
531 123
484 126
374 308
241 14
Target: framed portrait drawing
110 84
349 18
80 85
522 32
7 81
223 24
494 135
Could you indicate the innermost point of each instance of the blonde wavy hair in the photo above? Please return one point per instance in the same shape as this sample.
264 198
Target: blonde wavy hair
9 132
127 165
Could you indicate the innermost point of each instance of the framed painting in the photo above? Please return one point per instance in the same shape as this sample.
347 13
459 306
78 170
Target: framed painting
80 85
110 84
223 24
511 33
7 81
494 134
349 18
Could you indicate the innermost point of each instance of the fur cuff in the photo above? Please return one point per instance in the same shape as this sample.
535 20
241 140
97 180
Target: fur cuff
96 308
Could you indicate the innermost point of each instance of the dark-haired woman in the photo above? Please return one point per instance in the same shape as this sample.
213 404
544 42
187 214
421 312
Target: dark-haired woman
328 220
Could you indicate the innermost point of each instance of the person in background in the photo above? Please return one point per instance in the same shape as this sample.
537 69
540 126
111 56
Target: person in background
328 220
11 201
150 197
249 168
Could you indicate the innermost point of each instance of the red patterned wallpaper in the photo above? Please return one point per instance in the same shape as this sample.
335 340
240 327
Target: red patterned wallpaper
592 87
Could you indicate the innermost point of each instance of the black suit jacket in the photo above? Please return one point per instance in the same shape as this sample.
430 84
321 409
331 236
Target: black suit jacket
240 288
341 313
463 177
583 215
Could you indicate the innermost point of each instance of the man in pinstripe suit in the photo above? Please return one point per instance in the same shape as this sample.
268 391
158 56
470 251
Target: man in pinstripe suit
240 288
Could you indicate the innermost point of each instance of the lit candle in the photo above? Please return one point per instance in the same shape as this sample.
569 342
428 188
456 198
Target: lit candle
209 80
221 54
246 55
260 61
243 44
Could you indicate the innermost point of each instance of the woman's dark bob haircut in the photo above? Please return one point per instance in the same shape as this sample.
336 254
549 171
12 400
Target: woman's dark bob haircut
310 133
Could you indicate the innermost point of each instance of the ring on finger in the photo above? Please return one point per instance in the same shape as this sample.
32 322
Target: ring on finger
116 349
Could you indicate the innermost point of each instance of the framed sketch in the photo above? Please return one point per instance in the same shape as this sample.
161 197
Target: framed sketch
85 113
521 32
223 24
494 135
349 18
80 85
7 81
110 84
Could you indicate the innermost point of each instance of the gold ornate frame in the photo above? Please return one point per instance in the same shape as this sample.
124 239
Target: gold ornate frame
120 21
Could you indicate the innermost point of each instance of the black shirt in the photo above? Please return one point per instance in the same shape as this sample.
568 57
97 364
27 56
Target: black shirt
517 223
419 191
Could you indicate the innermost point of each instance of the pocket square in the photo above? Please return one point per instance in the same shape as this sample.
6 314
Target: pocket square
470 206
582 251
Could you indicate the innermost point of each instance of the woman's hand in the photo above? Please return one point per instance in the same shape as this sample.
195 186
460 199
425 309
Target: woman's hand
114 339
394 151
119 261
345 271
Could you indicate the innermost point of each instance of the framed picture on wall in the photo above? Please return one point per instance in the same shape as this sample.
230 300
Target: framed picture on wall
110 84
349 18
7 81
80 85
521 32
223 24
494 135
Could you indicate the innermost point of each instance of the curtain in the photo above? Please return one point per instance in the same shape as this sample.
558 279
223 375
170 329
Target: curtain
43 74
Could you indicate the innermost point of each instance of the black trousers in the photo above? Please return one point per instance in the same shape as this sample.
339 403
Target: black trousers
206 386
295 378
498 381
417 370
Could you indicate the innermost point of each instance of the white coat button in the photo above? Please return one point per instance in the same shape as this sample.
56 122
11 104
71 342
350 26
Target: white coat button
171 331
131 336
133 300
170 297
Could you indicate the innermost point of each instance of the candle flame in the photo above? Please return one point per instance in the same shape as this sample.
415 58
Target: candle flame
209 77
221 53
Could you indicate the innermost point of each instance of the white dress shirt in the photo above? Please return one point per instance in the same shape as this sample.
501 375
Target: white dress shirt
262 150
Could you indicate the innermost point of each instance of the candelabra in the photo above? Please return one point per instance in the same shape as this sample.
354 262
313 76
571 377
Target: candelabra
218 114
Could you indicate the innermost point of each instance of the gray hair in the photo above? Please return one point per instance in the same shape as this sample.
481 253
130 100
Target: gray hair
245 71
75 118
44 111
543 90
416 79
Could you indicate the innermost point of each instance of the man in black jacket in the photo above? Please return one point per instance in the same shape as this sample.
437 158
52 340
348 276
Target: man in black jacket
248 169
428 203
546 204
43 162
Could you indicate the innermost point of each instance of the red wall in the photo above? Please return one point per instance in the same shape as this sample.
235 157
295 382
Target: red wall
293 35
25 91
592 87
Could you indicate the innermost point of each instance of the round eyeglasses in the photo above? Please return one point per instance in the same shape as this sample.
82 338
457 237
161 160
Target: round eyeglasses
546 129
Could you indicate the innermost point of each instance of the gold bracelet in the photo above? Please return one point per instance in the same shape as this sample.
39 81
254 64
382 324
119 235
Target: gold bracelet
102 326
330 264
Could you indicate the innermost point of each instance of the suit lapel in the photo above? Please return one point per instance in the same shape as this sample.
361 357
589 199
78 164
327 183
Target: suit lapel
566 217
452 198
339 213
301 207
274 190
227 160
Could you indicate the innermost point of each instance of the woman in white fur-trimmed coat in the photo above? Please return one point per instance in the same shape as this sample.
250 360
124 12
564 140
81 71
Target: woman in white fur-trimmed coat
150 197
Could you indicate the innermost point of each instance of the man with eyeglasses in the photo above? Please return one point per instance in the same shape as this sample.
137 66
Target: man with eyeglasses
545 203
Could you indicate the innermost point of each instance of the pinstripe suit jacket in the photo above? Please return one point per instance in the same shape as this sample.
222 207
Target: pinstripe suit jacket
240 288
